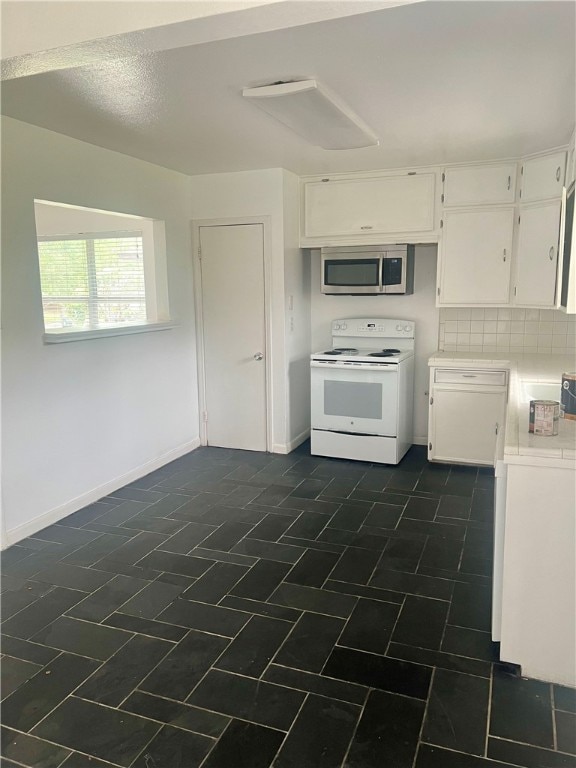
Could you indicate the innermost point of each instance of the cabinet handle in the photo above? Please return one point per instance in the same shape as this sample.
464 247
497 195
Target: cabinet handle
365 227
496 430
551 253
558 172
469 375
504 255
509 182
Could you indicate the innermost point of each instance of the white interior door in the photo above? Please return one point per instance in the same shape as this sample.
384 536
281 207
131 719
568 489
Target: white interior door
234 335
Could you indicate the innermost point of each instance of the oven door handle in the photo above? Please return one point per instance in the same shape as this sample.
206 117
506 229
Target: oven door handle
381 367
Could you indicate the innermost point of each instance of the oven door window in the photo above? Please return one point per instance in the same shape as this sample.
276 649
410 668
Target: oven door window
350 398
360 402
352 272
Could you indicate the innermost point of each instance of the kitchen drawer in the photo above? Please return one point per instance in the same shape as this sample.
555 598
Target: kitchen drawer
474 376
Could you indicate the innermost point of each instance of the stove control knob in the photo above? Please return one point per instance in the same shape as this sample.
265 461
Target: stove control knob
398 327
343 326
336 326
407 327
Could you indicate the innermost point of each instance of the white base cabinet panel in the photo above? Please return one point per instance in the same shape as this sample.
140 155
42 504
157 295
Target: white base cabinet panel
466 426
539 577
476 257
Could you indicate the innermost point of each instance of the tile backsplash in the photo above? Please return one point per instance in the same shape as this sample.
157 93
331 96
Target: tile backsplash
548 331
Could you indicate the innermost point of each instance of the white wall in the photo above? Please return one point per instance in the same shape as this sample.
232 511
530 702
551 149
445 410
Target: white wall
83 418
66 220
419 306
254 194
297 300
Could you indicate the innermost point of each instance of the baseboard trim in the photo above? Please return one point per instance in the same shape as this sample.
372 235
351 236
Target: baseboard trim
15 535
289 447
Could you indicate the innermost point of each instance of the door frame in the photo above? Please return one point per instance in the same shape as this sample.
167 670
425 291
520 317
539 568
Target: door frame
265 221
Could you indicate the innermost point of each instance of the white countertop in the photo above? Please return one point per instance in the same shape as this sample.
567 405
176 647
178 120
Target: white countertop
526 371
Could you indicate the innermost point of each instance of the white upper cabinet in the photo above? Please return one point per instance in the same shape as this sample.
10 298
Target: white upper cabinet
537 256
475 257
542 177
480 185
360 208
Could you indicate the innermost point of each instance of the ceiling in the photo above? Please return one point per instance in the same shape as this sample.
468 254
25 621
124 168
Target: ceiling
438 82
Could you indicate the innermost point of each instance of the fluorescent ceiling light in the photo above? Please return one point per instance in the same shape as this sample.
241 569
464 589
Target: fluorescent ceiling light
315 113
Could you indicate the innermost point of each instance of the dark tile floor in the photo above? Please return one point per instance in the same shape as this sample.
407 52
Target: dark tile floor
241 610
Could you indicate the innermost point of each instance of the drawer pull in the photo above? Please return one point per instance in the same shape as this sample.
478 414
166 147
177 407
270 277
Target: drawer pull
366 227
469 375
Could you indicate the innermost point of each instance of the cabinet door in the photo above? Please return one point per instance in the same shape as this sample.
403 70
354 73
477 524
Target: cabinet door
475 256
466 426
537 255
480 184
385 205
543 177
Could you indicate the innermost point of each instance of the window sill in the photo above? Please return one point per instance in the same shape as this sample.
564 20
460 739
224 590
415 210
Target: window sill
61 337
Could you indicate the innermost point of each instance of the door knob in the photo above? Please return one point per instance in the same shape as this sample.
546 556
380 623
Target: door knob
258 356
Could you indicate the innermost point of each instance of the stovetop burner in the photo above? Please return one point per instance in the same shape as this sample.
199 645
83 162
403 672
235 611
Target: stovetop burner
385 353
342 351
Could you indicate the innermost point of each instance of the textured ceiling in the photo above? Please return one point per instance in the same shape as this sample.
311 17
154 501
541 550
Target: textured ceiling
437 81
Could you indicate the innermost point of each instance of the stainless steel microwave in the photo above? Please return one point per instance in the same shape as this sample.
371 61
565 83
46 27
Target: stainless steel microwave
360 270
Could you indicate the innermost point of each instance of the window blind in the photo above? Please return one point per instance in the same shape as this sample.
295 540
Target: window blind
92 281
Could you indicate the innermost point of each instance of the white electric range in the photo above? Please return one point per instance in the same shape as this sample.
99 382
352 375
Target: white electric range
362 391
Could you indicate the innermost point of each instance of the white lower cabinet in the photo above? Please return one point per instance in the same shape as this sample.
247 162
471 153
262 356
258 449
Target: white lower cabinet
466 415
537 255
476 257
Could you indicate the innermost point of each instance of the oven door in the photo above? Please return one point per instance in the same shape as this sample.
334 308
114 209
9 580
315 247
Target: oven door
350 398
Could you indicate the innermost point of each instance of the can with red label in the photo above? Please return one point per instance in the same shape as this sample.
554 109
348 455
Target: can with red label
568 396
544 416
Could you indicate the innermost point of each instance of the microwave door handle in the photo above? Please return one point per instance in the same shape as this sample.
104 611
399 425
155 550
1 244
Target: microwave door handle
382 286
560 264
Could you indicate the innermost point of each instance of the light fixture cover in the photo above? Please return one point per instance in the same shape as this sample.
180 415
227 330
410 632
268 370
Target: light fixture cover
315 113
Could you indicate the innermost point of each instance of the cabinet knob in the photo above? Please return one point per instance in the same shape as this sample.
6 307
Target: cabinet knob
551 253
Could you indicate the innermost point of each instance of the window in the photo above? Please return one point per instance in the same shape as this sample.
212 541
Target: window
96 281
100 272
